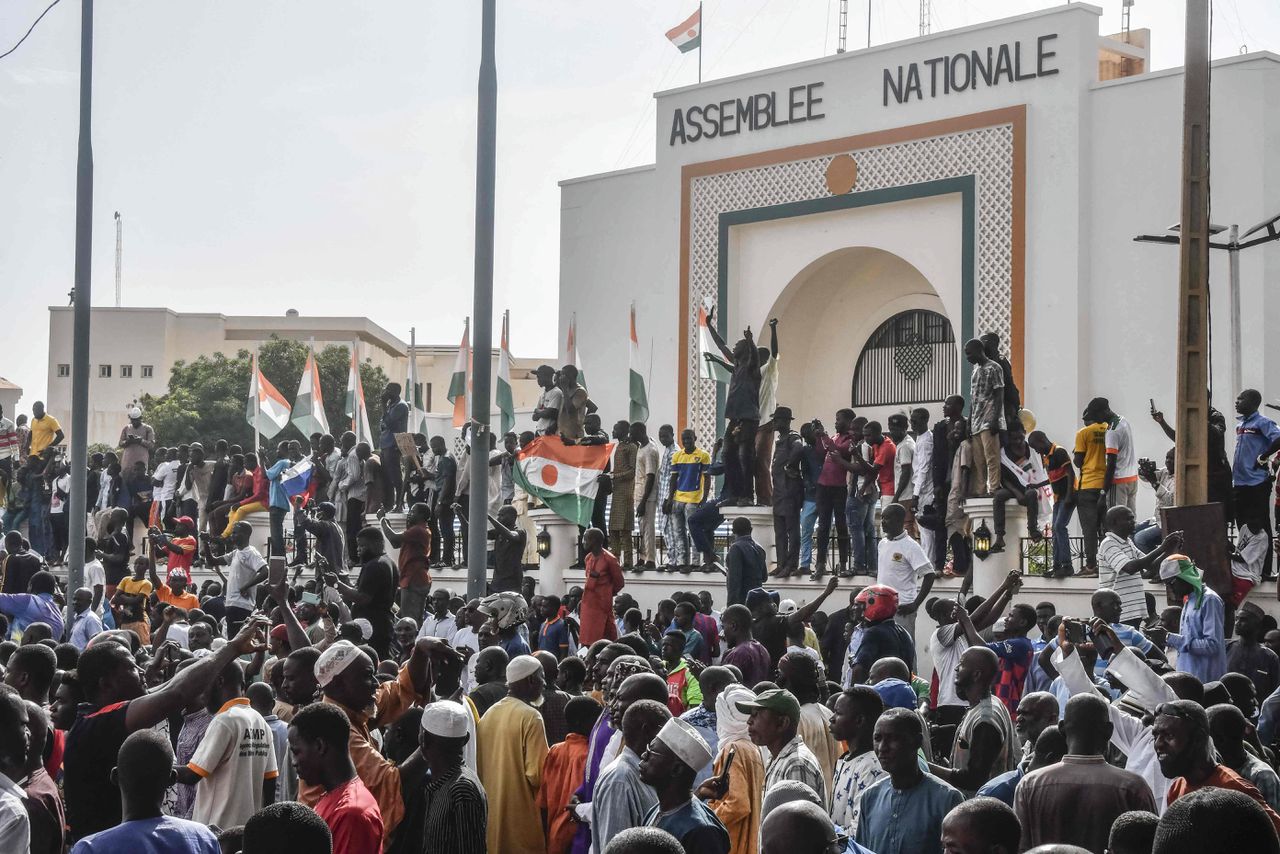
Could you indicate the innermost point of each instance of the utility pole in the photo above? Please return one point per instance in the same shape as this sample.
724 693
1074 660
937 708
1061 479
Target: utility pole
119 254
84 298
1192 458
482 305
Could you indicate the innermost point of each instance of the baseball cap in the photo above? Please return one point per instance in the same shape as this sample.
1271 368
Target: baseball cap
896 694
777 700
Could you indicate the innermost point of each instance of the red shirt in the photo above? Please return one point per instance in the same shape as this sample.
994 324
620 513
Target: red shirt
182 560
882 455
353 818
260 488
415 550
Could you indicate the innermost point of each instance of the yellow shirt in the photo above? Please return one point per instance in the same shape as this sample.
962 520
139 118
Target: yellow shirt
511 745
135 586
689 469
1092 442
42 432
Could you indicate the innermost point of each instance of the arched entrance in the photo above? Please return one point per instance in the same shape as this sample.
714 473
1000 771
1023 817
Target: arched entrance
862 318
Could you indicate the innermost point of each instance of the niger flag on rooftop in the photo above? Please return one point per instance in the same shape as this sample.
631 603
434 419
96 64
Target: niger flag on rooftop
687 35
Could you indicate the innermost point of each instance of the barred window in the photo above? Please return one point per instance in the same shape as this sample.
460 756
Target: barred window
911 358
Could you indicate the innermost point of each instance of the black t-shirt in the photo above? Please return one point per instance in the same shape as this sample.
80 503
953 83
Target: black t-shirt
772 634
886 639
115 557
18 570
93 801
378 580
508 555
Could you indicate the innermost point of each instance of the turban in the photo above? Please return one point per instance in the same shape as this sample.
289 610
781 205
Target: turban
1180 566
335 659
445 718
685 742
522 667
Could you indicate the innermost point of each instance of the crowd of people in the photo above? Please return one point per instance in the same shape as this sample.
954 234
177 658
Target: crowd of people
355 705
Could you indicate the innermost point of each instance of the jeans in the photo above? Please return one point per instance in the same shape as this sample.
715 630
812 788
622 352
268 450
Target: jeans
276 516
678 548
808 516
392 475
786 538
703 521
413 600
831 502
1062 511
861 511
1090 523
739 459
38 526
1148 536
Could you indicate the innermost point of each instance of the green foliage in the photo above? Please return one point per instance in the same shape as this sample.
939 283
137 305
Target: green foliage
206 398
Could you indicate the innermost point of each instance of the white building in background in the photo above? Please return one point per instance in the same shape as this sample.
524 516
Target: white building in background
10 394
887 204
132 351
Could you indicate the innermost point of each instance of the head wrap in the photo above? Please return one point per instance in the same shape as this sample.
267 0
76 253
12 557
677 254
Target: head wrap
335 659
506 609
445 718
1180 566
880 601
522 667
896 694
731 724
685 742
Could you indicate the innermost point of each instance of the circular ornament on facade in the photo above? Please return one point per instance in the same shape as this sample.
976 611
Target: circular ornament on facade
842 174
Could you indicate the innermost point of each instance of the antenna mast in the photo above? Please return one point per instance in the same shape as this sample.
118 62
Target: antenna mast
926 17
119 252
844 26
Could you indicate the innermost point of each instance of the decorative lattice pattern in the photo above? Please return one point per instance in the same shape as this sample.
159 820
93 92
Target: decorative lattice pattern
986 153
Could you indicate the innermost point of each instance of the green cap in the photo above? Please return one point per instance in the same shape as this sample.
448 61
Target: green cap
777 700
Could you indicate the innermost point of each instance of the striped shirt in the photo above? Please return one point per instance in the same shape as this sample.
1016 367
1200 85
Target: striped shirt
796 762
9 440
457 814
1114 553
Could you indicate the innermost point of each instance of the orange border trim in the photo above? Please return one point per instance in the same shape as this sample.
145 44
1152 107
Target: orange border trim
1015 116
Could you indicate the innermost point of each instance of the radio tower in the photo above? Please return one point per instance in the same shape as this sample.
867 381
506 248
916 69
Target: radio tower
119 228
925 15
844 26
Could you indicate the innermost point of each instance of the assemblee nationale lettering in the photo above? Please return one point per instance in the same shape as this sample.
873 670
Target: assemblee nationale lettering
754 112
959 72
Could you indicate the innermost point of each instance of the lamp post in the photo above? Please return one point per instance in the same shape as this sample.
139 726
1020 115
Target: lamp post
482 305
1233 245
83 298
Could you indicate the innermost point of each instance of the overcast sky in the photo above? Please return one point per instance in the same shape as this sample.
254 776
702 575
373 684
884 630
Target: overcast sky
319 155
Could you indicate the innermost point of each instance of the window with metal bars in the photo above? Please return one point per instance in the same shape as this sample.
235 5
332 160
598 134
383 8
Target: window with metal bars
911 358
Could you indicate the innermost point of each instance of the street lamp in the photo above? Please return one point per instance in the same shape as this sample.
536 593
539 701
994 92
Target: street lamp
1233 247
982 541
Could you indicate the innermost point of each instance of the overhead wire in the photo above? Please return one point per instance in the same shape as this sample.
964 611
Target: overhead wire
30 29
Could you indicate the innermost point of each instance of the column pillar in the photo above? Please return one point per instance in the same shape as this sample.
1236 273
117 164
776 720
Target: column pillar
761 528
564 549
989 572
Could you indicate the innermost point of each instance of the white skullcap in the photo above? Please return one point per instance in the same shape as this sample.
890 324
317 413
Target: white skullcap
685 742
521 667
787 606
134 412
446 719
365 627
335 659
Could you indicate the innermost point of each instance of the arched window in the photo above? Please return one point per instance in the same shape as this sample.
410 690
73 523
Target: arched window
910 358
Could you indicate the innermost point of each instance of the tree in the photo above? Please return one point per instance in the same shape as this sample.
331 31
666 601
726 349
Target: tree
207 397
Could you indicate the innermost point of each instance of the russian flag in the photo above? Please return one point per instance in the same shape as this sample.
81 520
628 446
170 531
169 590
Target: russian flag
296 478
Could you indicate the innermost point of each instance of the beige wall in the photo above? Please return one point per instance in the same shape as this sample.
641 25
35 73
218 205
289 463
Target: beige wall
160 337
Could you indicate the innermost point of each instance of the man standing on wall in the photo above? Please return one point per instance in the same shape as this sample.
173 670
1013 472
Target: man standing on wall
742 413
986 417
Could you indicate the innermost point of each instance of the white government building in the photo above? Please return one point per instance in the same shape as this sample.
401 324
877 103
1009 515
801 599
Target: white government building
887 204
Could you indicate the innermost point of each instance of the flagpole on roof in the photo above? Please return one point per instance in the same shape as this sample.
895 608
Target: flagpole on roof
257 403
701 32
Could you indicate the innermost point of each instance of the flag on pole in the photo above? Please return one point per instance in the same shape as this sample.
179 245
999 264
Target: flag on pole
502 391
571 348
563 476
354 406
687 35
639 396
461 372
710 365
413 394
308 406
267 411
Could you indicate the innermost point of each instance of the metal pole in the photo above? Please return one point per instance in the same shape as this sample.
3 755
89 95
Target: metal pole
868 23
1233 258
1192 458
84 297
119 253
702 34
482 310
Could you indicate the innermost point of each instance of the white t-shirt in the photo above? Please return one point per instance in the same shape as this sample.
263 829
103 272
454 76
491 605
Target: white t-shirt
901 566
60 484
551 398
1120 441
245 564
167 474
235 756
946 645
921 471
904 456
94 575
